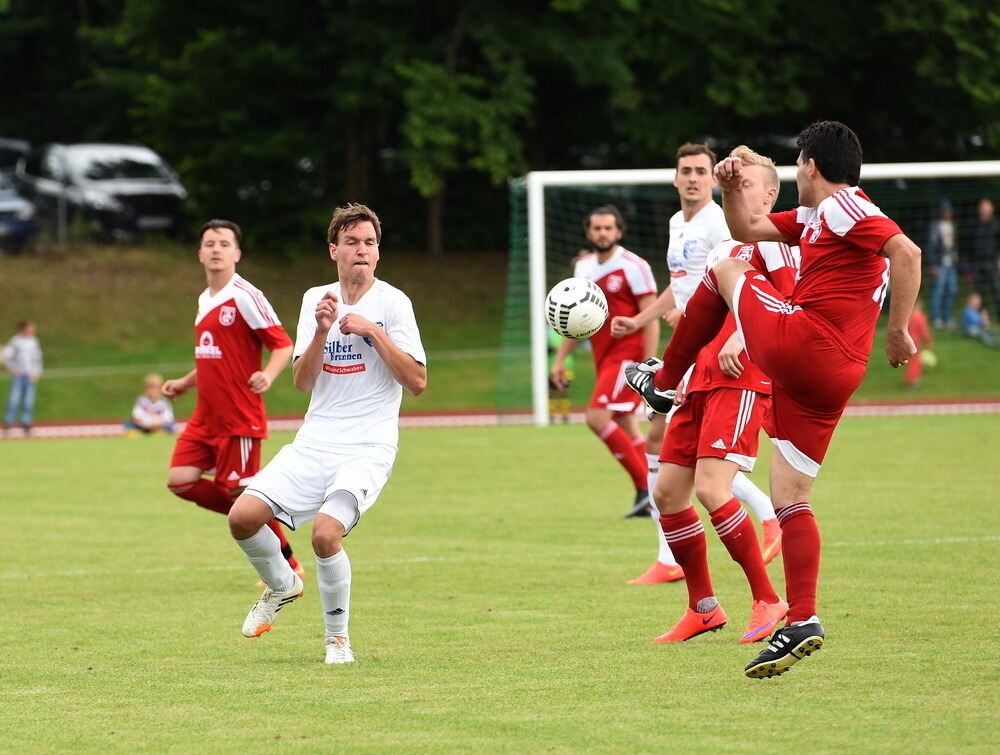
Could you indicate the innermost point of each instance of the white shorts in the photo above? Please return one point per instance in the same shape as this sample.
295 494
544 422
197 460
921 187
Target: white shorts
300 482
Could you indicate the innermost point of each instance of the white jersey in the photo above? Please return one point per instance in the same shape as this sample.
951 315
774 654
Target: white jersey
690 242
356 399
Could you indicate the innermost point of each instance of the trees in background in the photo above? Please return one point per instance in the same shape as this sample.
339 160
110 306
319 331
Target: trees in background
275 110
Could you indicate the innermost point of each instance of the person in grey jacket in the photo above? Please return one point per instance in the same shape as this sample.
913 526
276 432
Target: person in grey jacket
23 358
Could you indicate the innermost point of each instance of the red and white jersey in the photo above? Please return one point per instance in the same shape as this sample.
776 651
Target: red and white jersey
779 262
843 278
689 246
230 329
356 398
624 278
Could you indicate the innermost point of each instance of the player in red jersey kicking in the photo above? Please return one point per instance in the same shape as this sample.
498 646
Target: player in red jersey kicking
713 435
627 282
223 436
815 348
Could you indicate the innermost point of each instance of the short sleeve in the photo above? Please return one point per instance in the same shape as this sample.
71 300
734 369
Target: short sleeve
872 232
307 322
640 278
789 224
402 329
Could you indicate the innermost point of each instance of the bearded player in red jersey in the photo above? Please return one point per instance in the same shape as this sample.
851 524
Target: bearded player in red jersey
627 282
713 435
223 435
815 348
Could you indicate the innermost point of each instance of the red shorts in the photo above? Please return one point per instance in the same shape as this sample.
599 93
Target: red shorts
234 460
813 375
723 423
611 391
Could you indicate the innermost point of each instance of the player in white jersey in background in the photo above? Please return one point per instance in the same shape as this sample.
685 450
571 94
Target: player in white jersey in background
695 230
356 348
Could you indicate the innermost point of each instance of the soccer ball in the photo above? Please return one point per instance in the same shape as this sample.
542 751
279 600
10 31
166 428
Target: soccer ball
576 308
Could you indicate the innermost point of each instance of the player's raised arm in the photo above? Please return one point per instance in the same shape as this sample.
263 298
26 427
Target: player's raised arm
409 373
744 224
659 307
307 366
904 281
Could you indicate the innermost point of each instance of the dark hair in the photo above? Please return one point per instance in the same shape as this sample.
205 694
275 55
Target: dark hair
835 149
22 324
217 224
605 209
690 148
349 216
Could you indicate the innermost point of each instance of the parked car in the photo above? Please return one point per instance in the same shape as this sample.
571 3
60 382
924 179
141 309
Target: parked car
116 188
12 150
17 217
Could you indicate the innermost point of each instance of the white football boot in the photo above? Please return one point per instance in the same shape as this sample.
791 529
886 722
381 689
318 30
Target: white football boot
338 650
261 616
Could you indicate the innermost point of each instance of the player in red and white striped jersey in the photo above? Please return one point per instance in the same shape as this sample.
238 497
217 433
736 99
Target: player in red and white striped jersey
815 348
222 438
627 282
713 435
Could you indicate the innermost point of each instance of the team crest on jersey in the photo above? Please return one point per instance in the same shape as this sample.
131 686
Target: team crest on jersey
368 340
690 247
227 316
745 253
614 283
816 226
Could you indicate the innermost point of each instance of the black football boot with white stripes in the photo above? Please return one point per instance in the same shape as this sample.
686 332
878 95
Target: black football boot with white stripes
787 646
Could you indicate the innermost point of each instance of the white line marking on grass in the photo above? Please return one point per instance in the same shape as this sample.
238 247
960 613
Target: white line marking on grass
467 558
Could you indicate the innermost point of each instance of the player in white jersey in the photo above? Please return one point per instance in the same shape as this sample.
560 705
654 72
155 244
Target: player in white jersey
356 348
695 230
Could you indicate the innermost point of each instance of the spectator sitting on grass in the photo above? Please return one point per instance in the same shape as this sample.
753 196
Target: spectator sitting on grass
152 413
976 320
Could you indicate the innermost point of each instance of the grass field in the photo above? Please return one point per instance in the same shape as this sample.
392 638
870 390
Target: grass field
490 611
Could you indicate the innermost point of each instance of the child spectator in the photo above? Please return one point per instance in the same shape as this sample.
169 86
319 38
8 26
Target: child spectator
23 358
976 320
152 413
920 332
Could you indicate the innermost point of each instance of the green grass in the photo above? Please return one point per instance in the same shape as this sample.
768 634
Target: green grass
490 611
126 310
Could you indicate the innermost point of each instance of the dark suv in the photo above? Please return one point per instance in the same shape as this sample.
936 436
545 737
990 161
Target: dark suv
116 188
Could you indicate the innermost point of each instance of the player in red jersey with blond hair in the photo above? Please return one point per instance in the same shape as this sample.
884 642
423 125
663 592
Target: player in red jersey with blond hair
222 438
815 347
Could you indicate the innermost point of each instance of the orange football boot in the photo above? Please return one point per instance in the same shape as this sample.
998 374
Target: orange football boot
692 624
657 573
764 618
771 546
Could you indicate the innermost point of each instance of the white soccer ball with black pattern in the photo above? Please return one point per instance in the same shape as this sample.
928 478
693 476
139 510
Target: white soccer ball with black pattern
576 308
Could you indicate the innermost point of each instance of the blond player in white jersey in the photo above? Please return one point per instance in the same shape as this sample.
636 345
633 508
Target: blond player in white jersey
356 348
695 230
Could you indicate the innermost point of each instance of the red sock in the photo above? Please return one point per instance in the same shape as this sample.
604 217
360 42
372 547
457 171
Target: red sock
206 494
686 536
800 548
738 535
705 313
628 455
286 549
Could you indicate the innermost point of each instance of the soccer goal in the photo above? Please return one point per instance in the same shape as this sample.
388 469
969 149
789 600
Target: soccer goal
547 209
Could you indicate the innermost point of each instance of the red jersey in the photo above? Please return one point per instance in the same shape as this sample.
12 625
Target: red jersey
624 278
843 278
229 330
780 265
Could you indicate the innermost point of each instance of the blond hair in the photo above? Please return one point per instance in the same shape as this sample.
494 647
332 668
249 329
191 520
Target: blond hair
750 158
151 378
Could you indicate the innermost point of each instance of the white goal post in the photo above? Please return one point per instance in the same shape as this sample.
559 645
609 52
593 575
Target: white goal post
538 181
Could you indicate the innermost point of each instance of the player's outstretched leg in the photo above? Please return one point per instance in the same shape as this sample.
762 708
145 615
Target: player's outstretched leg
639 378
261 616
787 646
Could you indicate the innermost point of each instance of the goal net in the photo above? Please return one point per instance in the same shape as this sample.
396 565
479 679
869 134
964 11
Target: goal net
546 234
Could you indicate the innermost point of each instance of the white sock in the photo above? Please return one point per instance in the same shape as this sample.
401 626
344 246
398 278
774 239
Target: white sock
333 578
752 496
264 552
665 555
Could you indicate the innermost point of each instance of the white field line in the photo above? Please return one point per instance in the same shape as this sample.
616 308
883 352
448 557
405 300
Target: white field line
490 419
468 558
